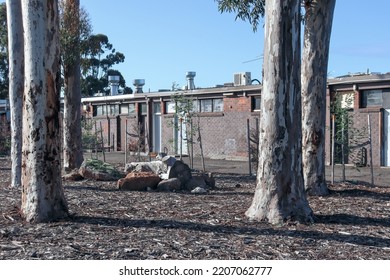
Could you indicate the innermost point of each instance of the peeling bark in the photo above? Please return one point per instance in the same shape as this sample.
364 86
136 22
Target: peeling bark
42 193
280 194
318 26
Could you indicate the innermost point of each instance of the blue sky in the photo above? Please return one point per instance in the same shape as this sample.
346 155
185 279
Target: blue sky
163 39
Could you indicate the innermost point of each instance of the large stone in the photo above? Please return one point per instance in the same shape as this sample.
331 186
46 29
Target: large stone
169 185
100 171
139 181
209 179
157 167
74 175
179 170
195 182
200 180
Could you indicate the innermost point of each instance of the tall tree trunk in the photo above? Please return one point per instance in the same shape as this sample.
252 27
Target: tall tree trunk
42 197
73 152
280 193
16 85
318 27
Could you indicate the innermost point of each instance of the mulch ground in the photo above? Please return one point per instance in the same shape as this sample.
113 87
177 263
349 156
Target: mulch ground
353 222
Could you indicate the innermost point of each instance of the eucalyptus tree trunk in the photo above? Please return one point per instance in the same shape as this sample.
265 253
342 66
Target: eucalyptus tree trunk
16 85
280 193
73 152
318 27
42 193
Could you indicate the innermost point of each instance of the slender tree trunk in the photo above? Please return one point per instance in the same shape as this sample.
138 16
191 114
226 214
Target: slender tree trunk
42 193
280 193
318 26
16 85
73 151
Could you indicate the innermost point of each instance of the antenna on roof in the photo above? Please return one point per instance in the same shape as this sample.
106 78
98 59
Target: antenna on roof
257 58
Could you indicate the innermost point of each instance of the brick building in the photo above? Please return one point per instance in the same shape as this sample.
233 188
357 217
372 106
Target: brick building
362 95
220 112
5 127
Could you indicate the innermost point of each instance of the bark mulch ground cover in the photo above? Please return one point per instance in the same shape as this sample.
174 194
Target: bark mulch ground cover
353 222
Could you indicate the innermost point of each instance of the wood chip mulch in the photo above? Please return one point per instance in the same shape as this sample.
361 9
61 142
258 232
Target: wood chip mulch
353 222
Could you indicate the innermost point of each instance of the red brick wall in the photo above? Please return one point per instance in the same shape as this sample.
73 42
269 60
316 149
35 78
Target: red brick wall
360 125
224 134
237 104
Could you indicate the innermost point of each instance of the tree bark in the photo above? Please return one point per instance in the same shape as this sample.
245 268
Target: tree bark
73 151
16 85
280 193
42 193
318 26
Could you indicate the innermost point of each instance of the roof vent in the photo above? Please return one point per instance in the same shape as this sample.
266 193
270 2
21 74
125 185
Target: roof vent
242 79
190 80
138 83
113 82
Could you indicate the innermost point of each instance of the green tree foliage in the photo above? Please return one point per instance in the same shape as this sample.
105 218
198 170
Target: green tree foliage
3 52
250 10
97 57
67 39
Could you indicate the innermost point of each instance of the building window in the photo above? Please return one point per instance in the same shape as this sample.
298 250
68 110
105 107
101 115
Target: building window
201 105
371 98
256 103
132 108
113 109
170 107
156 107
210 105
206 105
106 109
143 109
218 105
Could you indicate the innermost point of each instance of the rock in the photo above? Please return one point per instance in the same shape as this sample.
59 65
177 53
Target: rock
179 170
168 185
98 170
199 190
157 167
74 175
208 178
138 181
195 182
169 160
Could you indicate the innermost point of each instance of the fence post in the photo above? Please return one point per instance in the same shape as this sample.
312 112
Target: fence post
333 139
369 139
249 146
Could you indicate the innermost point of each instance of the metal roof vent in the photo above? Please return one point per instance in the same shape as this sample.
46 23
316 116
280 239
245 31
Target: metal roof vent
113 82
190 80
138 83
242 79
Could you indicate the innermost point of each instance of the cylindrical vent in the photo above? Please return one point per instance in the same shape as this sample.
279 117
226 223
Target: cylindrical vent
190 80
138 84
113 82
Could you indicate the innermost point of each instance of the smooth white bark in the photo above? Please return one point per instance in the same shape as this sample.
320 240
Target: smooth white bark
318 26
280 194
16 85
42 197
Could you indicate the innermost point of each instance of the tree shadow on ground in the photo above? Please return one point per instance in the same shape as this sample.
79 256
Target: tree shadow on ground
90 188
361 193
346 219
360 240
